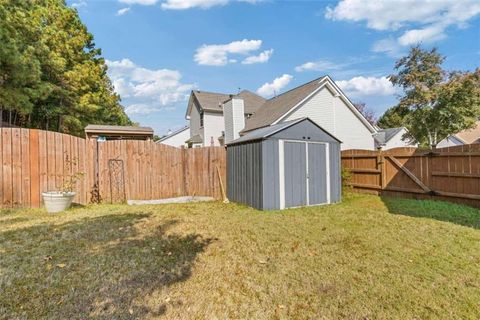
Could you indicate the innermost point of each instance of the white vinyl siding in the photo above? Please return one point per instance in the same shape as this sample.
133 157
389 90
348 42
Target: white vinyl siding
213 127
177 140
233 112
332 114
195 128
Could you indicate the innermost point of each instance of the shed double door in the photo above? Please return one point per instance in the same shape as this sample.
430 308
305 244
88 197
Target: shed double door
305 173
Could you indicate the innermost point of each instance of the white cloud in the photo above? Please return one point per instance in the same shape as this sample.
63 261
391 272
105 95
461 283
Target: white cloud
140 2
320 65
79 4
217 54
121 12
429 34
188 4
203 4
389 46
147 89
274 87
363 86
434 17
261 58
139 108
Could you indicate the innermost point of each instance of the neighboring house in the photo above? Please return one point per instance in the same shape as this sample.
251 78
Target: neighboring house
392 138
176 138
217 119
205 112
322 101
468 136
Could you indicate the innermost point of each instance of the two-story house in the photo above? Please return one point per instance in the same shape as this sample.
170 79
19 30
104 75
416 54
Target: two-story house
216 118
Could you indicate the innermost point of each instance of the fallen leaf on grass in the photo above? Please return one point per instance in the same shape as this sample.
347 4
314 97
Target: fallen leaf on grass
61 265
295 246
262 262
167 299
130 311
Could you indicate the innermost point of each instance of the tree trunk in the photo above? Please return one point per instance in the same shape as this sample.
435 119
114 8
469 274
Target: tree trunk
430 142
15 118
60 124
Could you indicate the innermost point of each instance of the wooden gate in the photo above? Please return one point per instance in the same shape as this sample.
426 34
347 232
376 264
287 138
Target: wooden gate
449 173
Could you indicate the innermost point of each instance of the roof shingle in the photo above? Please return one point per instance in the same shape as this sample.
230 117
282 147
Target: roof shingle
213 101
470 135
277 106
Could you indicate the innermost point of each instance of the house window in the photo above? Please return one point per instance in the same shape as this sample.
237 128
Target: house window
201 118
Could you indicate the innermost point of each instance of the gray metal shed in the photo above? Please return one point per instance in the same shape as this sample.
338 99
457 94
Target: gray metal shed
291 164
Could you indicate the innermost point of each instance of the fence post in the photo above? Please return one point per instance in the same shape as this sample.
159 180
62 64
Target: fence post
184 171
382 171
95 192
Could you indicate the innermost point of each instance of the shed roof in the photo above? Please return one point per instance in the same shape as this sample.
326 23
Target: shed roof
265 132
107 129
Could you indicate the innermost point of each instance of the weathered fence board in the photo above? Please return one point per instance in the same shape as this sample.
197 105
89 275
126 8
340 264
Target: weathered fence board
33 161
451 173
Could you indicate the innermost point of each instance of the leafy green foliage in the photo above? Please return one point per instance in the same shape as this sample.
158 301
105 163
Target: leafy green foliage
434 104
393 117
51 74
347 177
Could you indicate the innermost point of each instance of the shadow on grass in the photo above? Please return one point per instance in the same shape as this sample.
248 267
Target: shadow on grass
103 267
438 210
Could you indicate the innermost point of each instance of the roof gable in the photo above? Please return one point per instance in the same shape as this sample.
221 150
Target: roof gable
173 133
278 108
470 135
212 101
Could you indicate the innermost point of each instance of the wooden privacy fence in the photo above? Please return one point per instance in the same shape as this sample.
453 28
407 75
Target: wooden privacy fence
33 161
451 174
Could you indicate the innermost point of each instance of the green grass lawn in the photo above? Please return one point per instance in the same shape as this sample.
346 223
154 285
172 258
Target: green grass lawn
366 258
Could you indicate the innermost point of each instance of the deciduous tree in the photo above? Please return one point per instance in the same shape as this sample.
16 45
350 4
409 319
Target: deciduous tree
434 104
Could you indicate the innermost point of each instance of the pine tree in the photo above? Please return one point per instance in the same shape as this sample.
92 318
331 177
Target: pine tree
55 77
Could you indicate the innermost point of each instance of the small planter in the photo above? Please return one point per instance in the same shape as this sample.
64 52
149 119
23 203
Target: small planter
57 201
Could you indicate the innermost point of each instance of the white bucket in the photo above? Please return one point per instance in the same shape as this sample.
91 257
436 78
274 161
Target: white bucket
57 201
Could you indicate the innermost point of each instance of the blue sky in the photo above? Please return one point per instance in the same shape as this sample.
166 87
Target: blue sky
158 50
